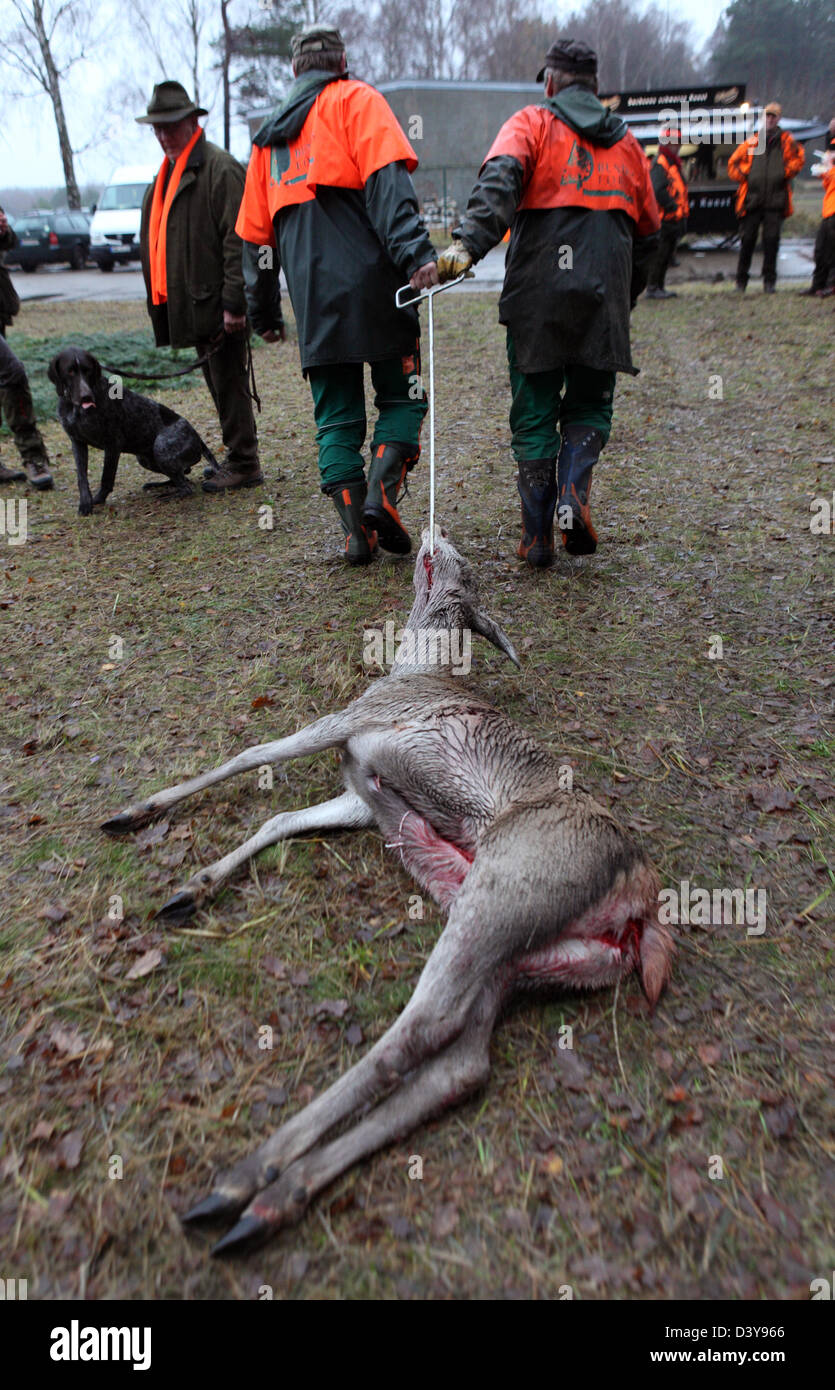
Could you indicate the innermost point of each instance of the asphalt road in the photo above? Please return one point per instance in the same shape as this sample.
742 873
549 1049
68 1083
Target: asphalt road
125 282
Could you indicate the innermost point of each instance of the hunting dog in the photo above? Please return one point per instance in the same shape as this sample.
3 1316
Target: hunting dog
120 422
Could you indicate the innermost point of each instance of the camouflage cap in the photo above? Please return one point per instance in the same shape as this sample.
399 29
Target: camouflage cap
570 55
316 38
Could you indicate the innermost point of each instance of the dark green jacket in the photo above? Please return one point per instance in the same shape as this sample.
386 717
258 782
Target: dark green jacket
345 254
9 302
203 250
562 314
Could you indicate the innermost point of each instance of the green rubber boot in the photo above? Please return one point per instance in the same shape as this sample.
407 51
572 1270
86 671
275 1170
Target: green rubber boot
385 480
360 539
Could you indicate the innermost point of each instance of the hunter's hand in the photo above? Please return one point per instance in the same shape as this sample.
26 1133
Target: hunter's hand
233 323
274 335
454 261
426 277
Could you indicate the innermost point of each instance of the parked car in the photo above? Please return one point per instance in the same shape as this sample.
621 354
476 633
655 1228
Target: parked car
47 238
114 230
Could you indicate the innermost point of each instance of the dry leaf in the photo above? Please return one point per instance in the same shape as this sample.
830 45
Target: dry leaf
145 965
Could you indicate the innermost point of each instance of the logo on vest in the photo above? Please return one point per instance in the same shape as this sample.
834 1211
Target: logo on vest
579 168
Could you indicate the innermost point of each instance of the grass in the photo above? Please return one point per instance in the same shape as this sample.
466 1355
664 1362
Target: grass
596 1179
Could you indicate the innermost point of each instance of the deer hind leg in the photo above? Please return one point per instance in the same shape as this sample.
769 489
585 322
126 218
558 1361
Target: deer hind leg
346 812
440 1081
456 976
325 733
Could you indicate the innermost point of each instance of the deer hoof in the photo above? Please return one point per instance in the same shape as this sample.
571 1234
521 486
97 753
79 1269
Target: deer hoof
128 820
179 908
250 1232
215 1207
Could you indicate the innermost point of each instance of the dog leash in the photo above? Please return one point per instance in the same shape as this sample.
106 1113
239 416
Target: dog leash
414 297
215 346
217 343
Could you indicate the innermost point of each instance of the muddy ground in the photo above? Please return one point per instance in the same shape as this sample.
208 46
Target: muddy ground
685 1155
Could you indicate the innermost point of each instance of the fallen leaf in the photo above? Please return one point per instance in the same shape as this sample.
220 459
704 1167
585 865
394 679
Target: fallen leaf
685 1184
777 1215
67 1040
151 835
146 963
571 1070
444 1221
770 796
709 1053
336 1008
68 1150
779 1119
44 1129
53 913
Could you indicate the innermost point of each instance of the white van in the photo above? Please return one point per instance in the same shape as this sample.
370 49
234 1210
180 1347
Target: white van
114 230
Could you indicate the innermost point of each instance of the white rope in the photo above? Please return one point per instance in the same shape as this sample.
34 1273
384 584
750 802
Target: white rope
412 297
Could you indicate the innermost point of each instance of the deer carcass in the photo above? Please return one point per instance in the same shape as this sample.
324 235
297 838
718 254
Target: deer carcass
543 888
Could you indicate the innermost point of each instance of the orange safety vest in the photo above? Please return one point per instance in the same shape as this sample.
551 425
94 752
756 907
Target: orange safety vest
561 169
677 189
350 132
829 193
739 167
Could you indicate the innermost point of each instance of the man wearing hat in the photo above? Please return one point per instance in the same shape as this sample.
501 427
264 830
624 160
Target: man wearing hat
670 189
763 166
329 197
574 185
191 259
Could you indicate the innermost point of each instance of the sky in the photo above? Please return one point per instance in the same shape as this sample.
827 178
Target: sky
102 127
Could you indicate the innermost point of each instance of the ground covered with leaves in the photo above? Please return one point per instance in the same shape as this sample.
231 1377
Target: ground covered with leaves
686 672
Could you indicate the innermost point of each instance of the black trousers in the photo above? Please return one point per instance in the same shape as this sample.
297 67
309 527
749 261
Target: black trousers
749 226
660 263
16 404
226 378
824 273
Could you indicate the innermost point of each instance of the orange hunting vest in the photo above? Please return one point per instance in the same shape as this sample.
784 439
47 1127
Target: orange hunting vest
561 169
350 132
677 189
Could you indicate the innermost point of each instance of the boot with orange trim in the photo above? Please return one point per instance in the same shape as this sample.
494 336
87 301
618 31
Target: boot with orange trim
580 450
537 486
386 477
360 540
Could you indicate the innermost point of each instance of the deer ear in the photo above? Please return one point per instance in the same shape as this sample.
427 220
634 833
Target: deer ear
481 622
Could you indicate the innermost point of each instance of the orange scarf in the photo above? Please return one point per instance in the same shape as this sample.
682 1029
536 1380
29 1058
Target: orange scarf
160 208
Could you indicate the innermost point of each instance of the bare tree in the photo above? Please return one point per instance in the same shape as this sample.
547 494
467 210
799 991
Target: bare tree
43 44
174 36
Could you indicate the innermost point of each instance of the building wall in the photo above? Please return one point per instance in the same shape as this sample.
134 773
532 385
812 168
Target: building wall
452 126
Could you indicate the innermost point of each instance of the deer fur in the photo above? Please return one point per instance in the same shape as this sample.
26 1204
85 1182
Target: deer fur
542 887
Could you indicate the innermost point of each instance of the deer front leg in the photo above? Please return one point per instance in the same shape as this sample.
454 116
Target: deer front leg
442 1080
346 812
333 729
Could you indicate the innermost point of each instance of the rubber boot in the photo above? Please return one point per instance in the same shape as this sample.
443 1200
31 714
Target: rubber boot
537 486
581 445
385 480
11 475
360 542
